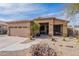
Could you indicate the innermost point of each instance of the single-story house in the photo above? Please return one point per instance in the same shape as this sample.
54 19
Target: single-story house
48 26
3 27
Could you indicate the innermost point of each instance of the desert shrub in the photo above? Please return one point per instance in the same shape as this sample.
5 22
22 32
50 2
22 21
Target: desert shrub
42 50
64 39
77 37
53 39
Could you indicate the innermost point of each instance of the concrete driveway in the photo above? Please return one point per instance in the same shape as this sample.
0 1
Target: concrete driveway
6 41
13 43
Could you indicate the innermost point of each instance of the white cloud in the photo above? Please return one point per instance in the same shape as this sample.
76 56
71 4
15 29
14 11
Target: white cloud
60 15
48 15
6 9
2 19
5 5
9 12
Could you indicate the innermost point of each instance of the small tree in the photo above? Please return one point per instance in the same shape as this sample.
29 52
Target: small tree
35 29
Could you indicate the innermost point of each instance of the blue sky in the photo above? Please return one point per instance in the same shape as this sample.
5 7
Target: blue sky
24 11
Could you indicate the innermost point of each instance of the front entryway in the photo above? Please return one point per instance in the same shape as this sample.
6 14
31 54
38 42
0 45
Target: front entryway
57 30
44 28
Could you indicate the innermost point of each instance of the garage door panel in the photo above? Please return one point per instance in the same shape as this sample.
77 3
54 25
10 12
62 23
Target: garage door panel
23 32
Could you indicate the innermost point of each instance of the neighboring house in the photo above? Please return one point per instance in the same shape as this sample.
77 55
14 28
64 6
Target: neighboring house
3 27
76 28
70 31
48 26
73 31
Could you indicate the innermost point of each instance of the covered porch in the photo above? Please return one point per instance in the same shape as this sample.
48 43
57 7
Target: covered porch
52 27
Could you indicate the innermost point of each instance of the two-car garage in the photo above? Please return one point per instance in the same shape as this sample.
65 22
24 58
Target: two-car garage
21 29
18 32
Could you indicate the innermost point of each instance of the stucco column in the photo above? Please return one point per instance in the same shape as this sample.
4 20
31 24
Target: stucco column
51 27
7 30
64 30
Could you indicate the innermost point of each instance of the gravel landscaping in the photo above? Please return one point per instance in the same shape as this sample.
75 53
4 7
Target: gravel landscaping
18 46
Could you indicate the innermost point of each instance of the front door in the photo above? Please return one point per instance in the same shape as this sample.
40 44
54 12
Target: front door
44 28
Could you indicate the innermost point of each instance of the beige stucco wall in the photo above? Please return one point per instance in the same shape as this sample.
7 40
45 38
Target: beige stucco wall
47 21
23 32
64 26
54 22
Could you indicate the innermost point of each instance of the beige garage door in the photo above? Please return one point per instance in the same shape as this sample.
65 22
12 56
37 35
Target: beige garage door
22 32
